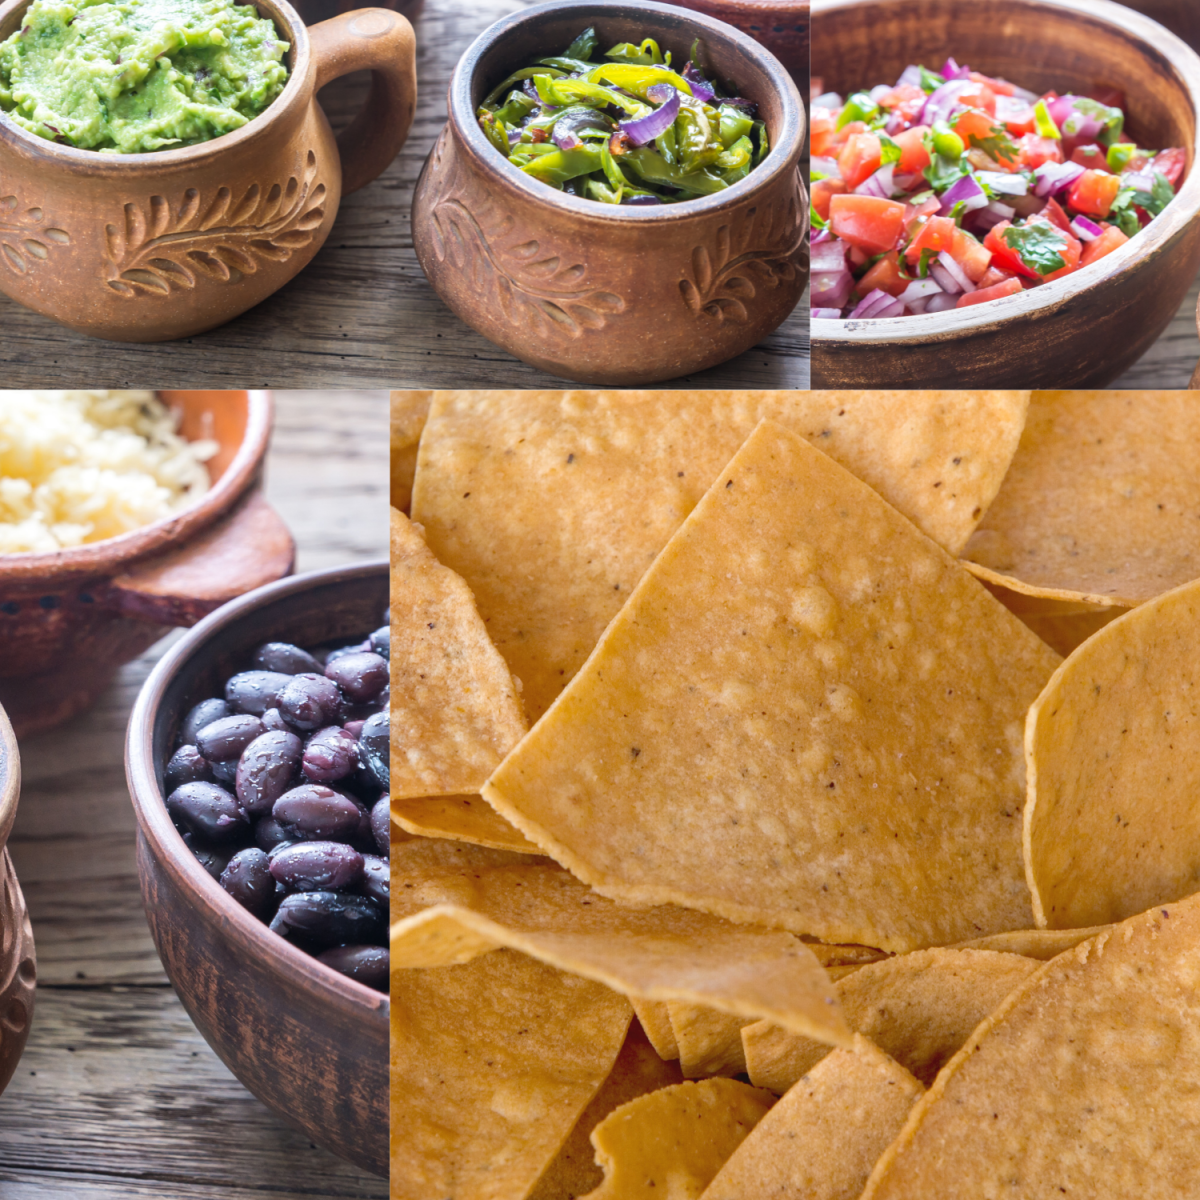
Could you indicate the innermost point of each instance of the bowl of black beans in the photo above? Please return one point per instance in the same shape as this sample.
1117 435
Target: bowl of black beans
258 766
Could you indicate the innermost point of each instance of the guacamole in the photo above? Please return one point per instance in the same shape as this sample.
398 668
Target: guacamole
130 76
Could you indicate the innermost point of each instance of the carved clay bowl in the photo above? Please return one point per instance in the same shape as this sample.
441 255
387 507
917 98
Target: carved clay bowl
780 25
18 961
149 247
602 293
1080 331
308 1042
69 619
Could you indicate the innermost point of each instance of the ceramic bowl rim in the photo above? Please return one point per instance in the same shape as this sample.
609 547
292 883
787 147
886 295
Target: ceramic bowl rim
106 557
781 158
10 778
166 846
1042 301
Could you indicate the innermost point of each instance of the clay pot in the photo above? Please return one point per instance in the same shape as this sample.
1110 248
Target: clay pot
149 247
69 619
1080 331
18 961
314 11
612 294
308 1042
779 25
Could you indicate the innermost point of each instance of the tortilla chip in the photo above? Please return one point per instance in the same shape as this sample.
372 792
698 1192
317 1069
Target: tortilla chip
919 1008
409 412
637 1071
491 1065
1112 823
672 1142
453 901
754 735
822 1139
461 819
1100 502
1043 944
455 710
656 1021
1064 625
710 1042
1083 1083
553 504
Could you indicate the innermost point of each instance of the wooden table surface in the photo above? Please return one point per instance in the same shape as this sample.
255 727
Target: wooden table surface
117 1094
361 314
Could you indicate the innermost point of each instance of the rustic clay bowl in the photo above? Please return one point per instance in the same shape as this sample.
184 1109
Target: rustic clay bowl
18 962
308 1042
314 11
1181 17
1080 331
780 25
148 247
613 294
69 619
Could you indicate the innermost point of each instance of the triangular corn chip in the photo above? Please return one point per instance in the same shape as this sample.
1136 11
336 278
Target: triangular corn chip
461 819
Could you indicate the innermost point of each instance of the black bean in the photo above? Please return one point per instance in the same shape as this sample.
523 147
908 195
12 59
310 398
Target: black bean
225 773
381 824
366 964
225 739
376 876
270 835
361 676
311 813
284 658
331 754
187 765
318 867
272 720
373 740
202 714
208 811
310 702
213 859
255 691
267 768
342 651
248 880
330 919
381 641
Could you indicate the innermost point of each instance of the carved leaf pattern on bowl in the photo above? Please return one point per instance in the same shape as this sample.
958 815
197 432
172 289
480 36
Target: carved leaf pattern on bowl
25 238
727 275
161 247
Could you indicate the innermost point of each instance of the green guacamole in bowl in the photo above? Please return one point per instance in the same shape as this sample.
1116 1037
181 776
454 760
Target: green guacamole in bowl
132 76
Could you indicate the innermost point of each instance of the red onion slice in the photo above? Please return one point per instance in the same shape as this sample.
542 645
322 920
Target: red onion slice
1005 183
945 280
960 276
831 289
1086 230
828 256
874 304
1054 177
701 88
827 314
942 103
643 130
881 185
966 191
941 303
920 289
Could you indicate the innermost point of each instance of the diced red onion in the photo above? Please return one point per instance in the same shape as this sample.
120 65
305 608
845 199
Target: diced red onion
895 123
941 303
827 314
878 92
878 304
986 218
1028 98
827 167
831 289
914 308
920 289
1054 177
643 130
828 100
1085 229
1008 184
945 280
1143 181
1060 107
960 276
880 185
904 183
566 129
953 71
828 256
910 76
817 236
942 103
1009 107
701 88
1005 212
965 190
893 309
739 102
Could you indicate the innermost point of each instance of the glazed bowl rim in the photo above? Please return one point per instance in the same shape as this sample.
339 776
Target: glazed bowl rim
1043 300
10 778
104 165
782 156
109 555
165 844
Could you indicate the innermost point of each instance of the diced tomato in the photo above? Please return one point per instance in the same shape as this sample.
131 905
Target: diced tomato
970 254
979 97
885 275
914 158
973 124
872 224
1001 87
994 276
1170 164
823 125
1071 253
1053 212
1003 255
816 87
822 190
860 158
1021 123
1033 150
1094 157
905 101
1010 287
1093 193
1113 97
857 257
1111 239
937 234
918 214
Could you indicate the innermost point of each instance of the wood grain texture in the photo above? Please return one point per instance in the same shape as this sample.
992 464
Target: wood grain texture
117 1094
361 314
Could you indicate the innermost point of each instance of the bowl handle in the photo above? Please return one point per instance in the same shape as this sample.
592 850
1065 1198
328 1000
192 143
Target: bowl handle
382 42
249 547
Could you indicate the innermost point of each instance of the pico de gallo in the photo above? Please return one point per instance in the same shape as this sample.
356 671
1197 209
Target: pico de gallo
627 129
955 188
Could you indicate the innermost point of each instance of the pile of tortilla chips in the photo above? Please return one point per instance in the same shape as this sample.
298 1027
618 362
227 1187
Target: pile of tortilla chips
752 836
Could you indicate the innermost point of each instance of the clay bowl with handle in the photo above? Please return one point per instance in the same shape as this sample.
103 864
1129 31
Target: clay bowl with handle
1087 328
69 619
604 293
780 25
18 960
306 1040
312 12
150 247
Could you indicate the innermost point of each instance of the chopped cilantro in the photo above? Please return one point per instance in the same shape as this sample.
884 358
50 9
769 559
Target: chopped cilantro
890 150
997 145
930 80
944 172
1039 245
927 256
819 221
1158 197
